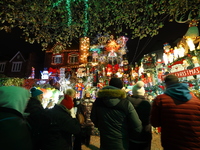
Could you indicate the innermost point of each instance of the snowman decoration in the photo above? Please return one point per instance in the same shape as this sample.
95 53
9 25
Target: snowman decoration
45 74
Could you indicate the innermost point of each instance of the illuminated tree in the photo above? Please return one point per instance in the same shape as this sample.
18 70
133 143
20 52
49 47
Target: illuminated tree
49 21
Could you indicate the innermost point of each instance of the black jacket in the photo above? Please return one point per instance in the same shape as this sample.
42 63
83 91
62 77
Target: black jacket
143 108
59 134
14 131
115 118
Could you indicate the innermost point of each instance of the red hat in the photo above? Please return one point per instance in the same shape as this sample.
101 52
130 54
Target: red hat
67 102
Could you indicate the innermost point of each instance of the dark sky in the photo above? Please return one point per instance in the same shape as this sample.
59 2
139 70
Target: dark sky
168 34
11 43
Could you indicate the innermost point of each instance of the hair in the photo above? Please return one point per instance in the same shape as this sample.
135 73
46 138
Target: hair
171 79
70 92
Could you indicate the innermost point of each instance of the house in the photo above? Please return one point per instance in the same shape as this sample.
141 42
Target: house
15 67
59 57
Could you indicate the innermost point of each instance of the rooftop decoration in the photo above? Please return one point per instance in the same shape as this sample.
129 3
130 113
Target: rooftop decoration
51 21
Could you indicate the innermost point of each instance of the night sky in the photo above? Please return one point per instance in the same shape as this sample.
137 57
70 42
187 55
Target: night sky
12 42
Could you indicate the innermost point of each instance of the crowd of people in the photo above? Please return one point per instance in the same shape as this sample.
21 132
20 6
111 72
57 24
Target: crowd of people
124 121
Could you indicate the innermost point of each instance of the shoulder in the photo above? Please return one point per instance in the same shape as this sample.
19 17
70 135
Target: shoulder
109 91
125 105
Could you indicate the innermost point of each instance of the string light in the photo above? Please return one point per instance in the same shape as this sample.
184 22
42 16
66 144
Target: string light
86 17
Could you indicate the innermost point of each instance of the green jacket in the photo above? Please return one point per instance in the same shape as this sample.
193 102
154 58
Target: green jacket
116 119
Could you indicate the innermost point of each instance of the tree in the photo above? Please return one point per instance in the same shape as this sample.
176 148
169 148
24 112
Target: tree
50 21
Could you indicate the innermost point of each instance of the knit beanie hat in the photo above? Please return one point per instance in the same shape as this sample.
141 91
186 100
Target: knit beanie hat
138 88
116 82
35 92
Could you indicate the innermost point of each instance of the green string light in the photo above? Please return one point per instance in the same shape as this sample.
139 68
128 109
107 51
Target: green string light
57 3
86 18
69 13
68 6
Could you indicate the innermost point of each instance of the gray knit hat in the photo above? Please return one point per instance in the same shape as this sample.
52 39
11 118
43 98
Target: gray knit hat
138 88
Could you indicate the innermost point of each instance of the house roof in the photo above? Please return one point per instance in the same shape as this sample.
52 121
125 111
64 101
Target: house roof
58 47
16 55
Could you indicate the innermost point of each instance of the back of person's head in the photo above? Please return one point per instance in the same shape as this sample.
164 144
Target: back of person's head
70 92
14 97
171 79
116 82
138 89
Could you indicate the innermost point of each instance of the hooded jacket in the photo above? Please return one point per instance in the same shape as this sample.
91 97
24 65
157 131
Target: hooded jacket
177 113
115 118
14 130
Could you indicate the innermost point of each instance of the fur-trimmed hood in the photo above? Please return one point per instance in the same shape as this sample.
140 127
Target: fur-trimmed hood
111 95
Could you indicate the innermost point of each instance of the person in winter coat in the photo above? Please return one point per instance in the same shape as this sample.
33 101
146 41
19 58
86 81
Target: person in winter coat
68 100
36 117
35 102
87 126
143 109
14 131
177 113
115 117
59 135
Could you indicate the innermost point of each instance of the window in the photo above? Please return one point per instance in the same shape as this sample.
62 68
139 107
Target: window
16 66
2 67
57 59
73 58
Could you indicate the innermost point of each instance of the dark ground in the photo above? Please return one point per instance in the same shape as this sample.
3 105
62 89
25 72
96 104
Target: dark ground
94 144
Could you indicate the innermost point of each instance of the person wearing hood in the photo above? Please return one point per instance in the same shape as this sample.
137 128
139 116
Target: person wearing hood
115 117
14 131
143 108
177 113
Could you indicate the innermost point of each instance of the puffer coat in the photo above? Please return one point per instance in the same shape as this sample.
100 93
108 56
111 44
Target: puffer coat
177 112
116 119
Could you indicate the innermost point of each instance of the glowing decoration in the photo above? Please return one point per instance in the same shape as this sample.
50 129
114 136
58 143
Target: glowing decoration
112 45
32 73
179 52
81 72
68 8
122 42
102 40
96 52
141 70
86 17
195 61
62 72
101 84
84 48
79 88
190 44
168 54
45 74
68 5
186 66
55 95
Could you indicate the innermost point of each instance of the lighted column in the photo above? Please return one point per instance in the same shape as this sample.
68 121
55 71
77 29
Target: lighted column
84 49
